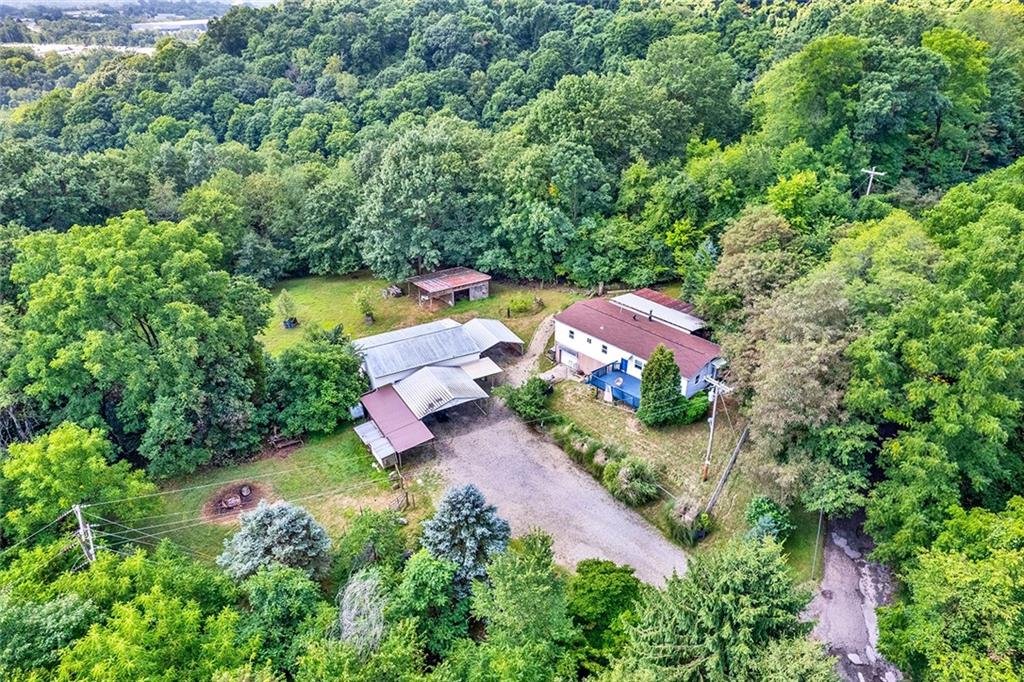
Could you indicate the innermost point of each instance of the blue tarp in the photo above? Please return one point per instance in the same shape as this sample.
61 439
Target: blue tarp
624 387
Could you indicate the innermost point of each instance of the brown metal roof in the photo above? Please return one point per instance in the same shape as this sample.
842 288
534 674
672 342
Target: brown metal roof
394 419
452 278
667 301
635 334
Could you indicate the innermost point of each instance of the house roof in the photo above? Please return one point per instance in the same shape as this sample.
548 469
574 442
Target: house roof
394 419
662 308
489 333
452 278
433 389
413 347
634 333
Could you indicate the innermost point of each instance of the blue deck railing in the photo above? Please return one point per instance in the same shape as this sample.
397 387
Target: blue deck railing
623 386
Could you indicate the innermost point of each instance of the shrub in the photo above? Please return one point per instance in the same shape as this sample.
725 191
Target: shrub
520 304
767 518
686 532
372 538
286 307
631 480
364 299
276 533
529 401
694 409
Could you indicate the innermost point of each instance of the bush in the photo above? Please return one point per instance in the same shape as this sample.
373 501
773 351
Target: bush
684 532
694 408
372 538
631 480
529 401
361 606
520 304
767 518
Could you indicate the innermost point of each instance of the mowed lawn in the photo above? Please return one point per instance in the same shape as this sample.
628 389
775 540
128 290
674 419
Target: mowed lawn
328 301
330 476
678 453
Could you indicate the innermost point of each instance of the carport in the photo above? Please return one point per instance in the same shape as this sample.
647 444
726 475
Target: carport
392 428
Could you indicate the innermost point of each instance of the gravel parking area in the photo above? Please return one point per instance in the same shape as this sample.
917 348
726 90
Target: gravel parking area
534 484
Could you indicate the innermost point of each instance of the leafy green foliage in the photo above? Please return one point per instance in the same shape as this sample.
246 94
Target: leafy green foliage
964 613
529 401
279 533
281 600
32 633
70 465
661 400
601 598
767 518
154 342
315 382
371 538
427 596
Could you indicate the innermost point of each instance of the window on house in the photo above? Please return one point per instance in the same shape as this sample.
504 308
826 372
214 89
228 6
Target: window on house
590 340
572 334
604 349
638 363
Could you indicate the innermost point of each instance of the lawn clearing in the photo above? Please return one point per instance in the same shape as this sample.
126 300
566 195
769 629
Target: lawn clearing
328 301
803 544
678 452
331 476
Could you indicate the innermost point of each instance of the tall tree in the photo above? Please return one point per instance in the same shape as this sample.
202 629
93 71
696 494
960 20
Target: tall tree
131 326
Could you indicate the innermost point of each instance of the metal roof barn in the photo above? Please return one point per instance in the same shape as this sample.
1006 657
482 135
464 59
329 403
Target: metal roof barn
490 333
408 349
433 389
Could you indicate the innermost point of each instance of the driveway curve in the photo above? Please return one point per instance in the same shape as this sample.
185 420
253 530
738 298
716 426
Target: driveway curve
534 484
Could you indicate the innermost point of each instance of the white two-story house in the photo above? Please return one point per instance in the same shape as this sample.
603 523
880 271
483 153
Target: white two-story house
609 340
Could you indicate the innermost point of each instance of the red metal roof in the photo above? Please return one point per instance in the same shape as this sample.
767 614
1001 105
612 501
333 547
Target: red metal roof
667 301
635 334
394 419
452 278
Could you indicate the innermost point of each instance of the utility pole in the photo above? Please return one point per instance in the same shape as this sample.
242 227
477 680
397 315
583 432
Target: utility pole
872 174
717 388
84 534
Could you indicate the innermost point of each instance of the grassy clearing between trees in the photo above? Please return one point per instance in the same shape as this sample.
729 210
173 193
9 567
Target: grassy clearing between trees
678 453
803 543
328 301
338 462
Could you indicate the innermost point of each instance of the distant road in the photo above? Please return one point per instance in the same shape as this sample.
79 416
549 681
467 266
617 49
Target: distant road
71 49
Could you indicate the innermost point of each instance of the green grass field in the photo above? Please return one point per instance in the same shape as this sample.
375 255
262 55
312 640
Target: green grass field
803 544
327 301
331 476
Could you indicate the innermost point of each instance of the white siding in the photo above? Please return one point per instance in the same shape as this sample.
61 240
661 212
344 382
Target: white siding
579 345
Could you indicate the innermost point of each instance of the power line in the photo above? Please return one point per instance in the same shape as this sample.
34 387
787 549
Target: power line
47 526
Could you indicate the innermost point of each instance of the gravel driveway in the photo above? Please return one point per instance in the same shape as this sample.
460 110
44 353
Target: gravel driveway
534 484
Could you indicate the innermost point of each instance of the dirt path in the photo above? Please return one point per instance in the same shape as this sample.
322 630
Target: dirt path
534 484
519 372
851 589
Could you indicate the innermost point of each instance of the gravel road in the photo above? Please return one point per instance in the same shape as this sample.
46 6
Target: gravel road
534 484
844 607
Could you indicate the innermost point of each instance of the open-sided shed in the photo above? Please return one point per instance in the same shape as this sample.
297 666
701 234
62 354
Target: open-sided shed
449 286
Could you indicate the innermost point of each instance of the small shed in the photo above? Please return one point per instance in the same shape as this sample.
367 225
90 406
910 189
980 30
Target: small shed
449 286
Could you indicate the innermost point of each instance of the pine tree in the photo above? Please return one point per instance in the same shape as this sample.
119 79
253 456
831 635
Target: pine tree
466 531
276 533
660 399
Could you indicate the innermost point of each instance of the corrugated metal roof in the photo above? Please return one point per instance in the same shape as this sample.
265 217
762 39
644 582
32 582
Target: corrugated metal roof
380 447
433 389
419 346
478 369
452 278
489 333
671 315
395 420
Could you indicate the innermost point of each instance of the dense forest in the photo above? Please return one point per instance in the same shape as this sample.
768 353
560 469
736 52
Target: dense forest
872 323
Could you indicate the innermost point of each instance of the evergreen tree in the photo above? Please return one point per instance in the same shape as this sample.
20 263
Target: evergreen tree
466 531
661 401
276 533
